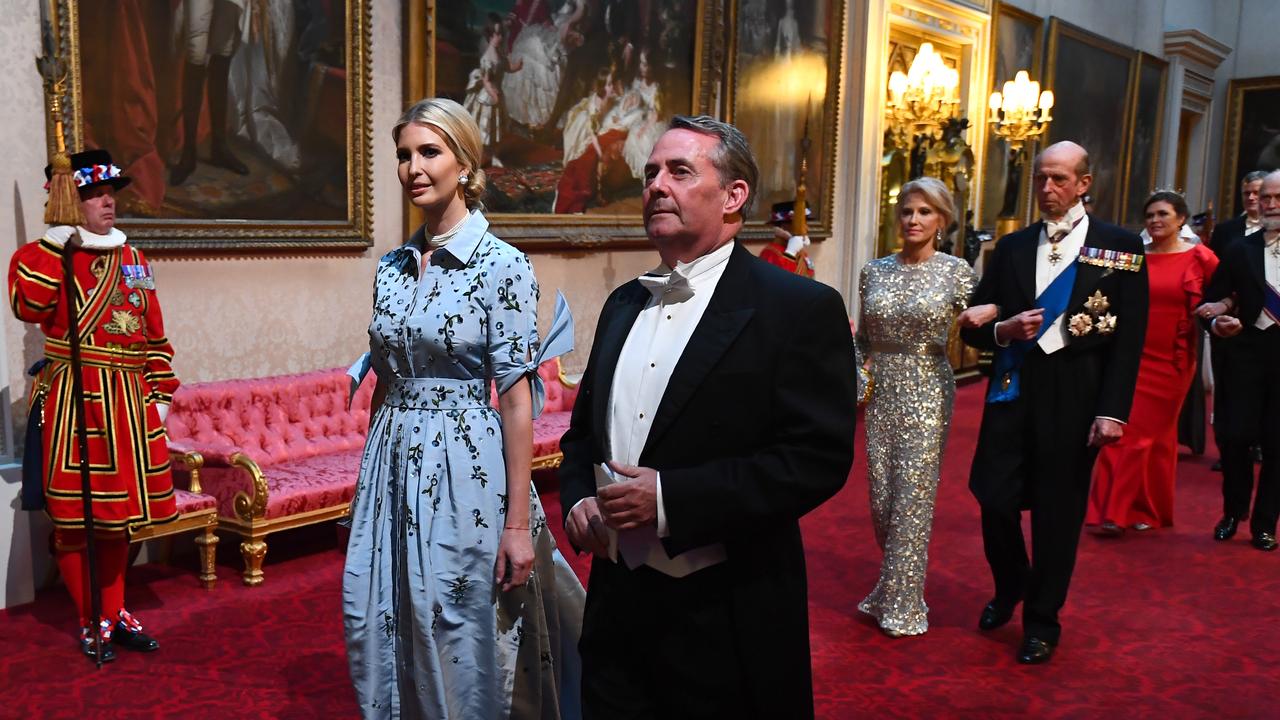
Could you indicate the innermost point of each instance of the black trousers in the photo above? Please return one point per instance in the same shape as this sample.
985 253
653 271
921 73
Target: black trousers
1033 455
1250 416
658 647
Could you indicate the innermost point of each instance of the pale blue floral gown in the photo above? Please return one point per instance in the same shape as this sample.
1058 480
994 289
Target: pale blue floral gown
429 632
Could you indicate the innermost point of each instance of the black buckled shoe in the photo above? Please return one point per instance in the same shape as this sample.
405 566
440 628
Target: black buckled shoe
1264 541
1226 528
87 646
995 615
1035 651
128 634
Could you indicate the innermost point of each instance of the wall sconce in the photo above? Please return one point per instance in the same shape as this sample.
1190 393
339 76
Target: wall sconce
1021 112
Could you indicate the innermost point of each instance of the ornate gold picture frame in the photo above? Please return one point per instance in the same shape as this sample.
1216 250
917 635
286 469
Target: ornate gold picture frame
1092 80
570 98
1252 139
274 100
1017 43
783 74
1146 123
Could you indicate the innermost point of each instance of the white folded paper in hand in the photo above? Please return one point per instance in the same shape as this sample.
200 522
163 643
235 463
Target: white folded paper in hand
604 478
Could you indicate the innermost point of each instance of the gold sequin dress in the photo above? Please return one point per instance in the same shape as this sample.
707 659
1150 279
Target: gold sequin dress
907 312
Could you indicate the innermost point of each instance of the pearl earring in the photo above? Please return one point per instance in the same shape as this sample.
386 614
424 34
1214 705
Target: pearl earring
462 179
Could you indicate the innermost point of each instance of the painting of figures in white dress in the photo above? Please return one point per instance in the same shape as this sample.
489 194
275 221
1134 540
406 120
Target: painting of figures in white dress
241 122
785 76
570 95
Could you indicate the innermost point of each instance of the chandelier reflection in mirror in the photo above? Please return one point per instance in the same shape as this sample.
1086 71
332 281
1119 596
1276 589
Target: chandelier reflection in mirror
923 98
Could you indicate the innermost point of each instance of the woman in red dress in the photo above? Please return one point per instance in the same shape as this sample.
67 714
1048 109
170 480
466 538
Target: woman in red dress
1133 478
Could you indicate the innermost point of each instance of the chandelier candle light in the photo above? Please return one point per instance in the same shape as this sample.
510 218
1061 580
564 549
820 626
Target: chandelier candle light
922 98
1021 112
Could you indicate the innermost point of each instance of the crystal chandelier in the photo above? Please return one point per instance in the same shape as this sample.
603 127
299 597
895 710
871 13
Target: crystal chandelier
920 100
1021 112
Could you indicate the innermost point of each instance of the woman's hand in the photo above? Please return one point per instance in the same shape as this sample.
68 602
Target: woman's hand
978 315
515 558
1211 310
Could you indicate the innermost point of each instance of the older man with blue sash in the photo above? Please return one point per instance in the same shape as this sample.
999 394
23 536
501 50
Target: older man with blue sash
1073 297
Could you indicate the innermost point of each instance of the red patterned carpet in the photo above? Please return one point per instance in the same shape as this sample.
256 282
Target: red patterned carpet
1167 624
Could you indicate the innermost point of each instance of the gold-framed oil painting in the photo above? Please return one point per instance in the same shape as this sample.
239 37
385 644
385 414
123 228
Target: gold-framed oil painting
570 96
1147 119
1091 78
1017 43
1252 139
783 85
244 124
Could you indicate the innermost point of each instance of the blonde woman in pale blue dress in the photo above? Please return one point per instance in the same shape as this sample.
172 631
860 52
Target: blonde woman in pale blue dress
456 603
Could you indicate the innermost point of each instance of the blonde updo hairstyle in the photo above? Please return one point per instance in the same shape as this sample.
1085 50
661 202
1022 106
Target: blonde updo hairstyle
935 193
460 133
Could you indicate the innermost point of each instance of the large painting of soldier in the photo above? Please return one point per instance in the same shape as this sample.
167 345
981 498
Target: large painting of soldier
570 95
241 122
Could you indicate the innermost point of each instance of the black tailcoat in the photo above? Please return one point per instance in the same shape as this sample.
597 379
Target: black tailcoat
755 429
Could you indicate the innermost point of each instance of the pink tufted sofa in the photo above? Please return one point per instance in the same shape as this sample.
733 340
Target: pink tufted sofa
281 452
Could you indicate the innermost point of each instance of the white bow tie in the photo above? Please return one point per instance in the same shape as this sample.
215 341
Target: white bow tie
672 287
1058 228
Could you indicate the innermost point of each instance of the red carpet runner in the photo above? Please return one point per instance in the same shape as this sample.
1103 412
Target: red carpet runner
1165 624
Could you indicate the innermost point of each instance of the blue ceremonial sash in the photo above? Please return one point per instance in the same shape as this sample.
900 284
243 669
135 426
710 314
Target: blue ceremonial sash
1005 383
1271 301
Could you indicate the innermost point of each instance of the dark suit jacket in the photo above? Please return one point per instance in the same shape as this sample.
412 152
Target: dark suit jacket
1226 234
1242 274
1104 368
755 429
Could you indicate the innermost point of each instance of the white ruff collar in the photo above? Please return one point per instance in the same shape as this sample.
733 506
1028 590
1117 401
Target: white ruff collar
58 235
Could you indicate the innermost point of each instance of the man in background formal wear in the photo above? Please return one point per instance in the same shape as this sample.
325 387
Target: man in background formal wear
717 408
1226 234
1229 232
1242 307
1073 297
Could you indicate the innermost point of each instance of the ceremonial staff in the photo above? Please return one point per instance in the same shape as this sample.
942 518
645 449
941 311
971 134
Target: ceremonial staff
63 208
799 219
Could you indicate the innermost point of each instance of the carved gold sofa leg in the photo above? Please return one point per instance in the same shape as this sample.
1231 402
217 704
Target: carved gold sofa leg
254 551
207 543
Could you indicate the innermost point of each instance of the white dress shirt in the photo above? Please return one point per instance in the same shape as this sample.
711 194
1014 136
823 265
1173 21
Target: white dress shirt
1271 270
1251 225
650 353
1054 339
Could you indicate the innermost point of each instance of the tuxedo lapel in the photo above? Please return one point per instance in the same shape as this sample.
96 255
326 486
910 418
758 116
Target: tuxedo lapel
619 317
1258 260
1024 262
728 312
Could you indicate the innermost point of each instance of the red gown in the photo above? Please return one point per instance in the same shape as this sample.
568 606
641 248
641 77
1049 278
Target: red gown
1133 480
126 371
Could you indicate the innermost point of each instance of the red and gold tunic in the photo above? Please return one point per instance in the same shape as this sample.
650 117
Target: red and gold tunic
127 371
775 253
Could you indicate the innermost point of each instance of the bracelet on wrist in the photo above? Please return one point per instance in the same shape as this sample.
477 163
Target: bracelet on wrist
515 527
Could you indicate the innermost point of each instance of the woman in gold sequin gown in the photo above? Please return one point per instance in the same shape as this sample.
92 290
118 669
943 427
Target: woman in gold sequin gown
909 301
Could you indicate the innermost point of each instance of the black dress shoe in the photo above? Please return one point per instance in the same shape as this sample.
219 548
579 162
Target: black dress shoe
994 615
1035 651
1264 541
86 647
137 641
1226 528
